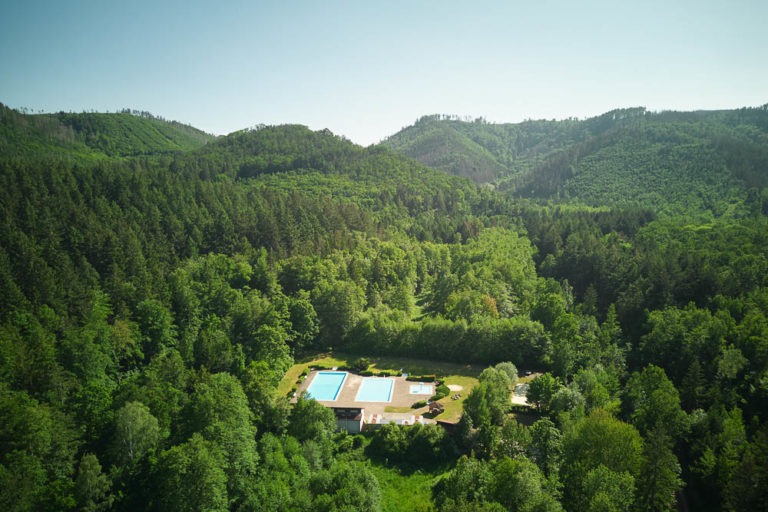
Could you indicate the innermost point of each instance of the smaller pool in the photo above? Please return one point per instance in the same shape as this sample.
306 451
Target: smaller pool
375 389
421 389
326 386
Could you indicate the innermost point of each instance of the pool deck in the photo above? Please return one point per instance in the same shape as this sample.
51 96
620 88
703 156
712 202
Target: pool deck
401 395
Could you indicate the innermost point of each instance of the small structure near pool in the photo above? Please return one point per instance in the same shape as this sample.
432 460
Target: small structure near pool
351 419
436 408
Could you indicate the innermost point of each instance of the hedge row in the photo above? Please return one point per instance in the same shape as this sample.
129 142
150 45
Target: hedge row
422 378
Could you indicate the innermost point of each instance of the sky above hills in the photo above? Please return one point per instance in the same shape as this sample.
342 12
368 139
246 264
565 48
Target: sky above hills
366 69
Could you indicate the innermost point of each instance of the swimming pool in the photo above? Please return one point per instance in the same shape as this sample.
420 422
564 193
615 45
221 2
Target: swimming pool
326 385
375 389
421 389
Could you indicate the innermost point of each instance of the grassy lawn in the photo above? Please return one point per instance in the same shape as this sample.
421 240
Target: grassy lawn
422 366
399 492
454 408
392 408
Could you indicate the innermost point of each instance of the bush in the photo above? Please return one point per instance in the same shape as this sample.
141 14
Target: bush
360 364
442 391
422 378
419 404
366 373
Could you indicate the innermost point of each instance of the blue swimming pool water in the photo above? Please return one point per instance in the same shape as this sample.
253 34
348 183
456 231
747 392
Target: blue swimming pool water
421 389
326 385
375 390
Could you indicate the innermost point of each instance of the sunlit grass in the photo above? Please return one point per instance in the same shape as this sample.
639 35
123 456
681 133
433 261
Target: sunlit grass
454 408
392 408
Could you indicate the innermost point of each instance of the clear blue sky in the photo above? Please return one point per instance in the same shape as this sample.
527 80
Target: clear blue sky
366 69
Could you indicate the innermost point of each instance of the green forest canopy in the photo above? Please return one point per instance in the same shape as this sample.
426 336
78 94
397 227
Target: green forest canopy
671 162
157 283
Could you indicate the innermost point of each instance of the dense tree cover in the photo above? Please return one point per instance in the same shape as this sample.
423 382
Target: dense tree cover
94 135
154 296
675 163
440 144
483 151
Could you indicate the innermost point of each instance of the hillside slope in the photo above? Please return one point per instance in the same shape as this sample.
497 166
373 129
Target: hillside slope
94 135
671 162
443 145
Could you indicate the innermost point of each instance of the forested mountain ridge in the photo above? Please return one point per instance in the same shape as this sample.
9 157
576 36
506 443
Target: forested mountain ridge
128 133
443 144
672 161
152 301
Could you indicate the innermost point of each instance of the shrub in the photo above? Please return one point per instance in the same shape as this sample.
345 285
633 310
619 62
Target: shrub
422 378
360 364
366 373
442 391
419 404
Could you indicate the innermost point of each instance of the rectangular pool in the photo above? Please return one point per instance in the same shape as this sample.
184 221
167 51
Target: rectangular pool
375 389
421 389
326 385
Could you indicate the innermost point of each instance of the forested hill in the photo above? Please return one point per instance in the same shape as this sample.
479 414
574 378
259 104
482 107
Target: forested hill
91 135
473 150
156 286
672 162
